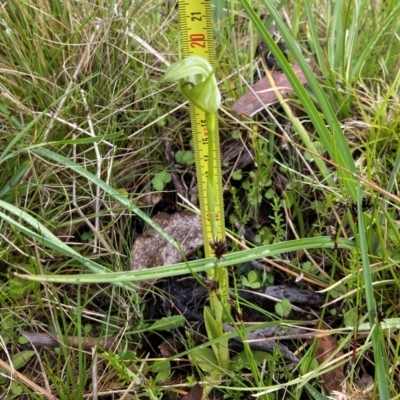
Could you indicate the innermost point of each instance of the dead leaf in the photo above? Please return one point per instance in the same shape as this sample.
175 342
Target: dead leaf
152 250
148 199
335 380
195 393
169 347
262 93
66 234
326 346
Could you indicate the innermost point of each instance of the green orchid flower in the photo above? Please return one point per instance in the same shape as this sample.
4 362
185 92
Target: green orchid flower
197 82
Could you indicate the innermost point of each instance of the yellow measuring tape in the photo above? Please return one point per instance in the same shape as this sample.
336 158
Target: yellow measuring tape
197 36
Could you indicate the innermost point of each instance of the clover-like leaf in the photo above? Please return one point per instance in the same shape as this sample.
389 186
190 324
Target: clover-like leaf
196 81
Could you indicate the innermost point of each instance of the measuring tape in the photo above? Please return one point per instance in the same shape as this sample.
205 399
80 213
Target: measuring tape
195 20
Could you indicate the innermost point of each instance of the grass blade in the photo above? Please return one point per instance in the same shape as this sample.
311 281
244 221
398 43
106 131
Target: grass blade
381 367
333 140
323 242
108 189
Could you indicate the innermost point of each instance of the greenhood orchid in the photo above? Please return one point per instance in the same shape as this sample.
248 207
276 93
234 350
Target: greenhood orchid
196 81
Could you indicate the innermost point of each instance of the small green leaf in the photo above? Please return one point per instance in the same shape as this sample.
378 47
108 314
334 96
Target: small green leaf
308 364
279 309
87 236
123 192
191 380
21 340
252 280
318 206
20 359
7 322
128 355
205 359
257 355
337 291
256 285
160 180
186 157
252 276
237 175
269 194
235 135
314 393
287 306
351 317
306 266
179 156
163 369
16 388
245 281
87 328
283 308
166 323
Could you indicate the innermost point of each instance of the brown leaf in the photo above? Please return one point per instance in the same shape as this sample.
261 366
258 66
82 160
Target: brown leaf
326 346
195 393
148 199
169 348
66 234
263 93
152 250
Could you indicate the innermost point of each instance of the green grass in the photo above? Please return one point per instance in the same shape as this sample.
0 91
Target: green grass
84 120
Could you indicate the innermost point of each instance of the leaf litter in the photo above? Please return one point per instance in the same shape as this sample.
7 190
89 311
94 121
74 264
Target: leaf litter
262 93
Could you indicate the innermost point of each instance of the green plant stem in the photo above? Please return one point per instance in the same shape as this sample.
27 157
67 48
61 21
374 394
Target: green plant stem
212 190
219 306
381 367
